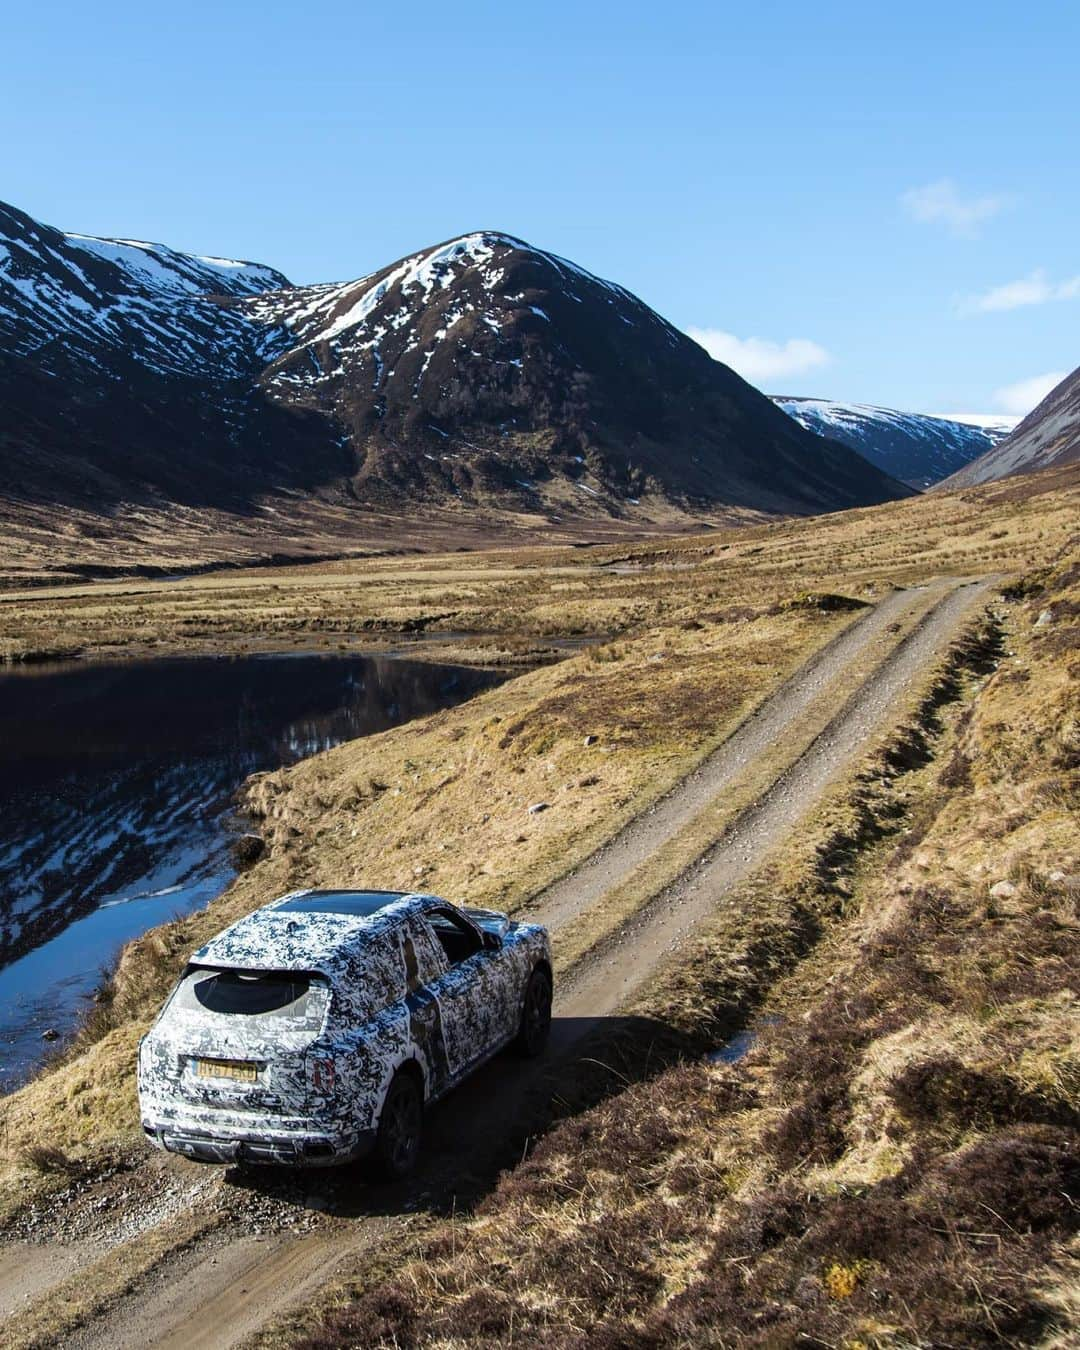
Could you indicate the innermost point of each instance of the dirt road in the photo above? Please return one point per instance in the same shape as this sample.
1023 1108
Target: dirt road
616 967
216 1291
846 660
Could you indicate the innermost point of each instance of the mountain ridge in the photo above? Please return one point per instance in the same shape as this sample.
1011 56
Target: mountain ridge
481 372
918 448
1049 435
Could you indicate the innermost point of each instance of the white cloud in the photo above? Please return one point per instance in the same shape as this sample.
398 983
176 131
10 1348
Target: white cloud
758 359
942 203
1036 289
1021 397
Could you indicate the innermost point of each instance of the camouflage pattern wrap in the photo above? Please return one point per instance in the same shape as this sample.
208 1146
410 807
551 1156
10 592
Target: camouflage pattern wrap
282 1037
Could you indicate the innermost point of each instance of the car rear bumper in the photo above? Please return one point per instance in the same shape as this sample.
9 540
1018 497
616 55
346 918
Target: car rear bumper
313 1151
306 1147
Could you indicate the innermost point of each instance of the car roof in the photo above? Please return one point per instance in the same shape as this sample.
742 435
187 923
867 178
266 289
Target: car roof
360 904
311 930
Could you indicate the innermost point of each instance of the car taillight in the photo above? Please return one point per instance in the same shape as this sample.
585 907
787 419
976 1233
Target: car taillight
322 1075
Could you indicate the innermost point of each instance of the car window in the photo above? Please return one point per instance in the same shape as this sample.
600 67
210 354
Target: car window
422 955
457 937
380 976
255 997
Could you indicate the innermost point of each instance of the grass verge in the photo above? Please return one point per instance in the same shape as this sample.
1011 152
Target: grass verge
894 1162
442 805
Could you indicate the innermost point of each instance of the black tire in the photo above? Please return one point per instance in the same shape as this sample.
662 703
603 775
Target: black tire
401 1125
532 1036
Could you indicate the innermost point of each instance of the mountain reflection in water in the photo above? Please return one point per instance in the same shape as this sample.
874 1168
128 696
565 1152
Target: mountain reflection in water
116 782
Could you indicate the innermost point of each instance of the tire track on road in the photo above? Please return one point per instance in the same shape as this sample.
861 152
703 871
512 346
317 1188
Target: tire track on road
613 970
194 1298
639 840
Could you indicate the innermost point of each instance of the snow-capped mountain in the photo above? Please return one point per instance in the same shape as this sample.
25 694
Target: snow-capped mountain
1048 435
481 371
128 374
917 448
71 297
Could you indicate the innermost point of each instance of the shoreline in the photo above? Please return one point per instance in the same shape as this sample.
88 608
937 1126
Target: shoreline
480 650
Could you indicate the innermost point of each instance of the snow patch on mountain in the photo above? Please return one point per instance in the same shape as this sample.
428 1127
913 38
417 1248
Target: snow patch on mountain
165 268
67 299
1001 423
916 448
342 314
219 380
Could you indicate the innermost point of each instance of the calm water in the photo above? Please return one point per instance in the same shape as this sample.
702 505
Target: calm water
116 782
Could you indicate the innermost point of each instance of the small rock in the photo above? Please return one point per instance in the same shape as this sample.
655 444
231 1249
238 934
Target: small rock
247 850
50 1034
1056 876
1003 890
808 1292
1045 619
590 740
537 807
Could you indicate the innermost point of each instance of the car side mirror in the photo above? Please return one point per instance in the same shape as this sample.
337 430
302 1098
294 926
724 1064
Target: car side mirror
492 941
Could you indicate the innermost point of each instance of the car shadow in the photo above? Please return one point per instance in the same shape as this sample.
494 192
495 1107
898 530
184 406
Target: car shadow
489 1123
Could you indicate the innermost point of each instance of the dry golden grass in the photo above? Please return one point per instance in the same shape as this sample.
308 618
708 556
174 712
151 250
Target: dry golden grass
41 544
529 594
895 1161
440 805
445 806
702 631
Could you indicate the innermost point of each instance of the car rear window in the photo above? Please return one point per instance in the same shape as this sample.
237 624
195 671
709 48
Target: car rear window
269 996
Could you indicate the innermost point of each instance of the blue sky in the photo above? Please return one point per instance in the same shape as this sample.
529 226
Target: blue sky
857 201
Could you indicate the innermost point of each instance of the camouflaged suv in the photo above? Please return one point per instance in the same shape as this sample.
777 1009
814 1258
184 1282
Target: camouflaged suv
317 1029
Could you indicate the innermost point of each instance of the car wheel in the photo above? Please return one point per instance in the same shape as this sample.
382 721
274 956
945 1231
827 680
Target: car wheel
535 1015
401 1124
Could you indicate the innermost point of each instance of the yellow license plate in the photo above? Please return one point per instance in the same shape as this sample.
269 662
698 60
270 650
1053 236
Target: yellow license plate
242 1070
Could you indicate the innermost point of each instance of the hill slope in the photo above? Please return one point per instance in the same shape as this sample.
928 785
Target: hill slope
1048 435
127 374
480 372
511 370
916 448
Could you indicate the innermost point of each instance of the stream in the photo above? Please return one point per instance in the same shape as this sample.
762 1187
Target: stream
117 784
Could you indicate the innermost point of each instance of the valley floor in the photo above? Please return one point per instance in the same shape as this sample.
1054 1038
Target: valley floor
781 796
530 587
43 545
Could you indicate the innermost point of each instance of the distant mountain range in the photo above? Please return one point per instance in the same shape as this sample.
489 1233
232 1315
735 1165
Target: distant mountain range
1048 435
917 448
481 372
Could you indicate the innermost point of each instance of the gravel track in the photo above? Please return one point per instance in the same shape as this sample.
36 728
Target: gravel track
638 841
222 1291
619 964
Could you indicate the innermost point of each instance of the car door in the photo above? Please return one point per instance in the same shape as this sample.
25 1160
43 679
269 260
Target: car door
468 991
425 964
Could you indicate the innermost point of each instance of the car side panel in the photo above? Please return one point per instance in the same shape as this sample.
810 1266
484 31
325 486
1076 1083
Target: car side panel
467 997
481 998
331 1087
369 1060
